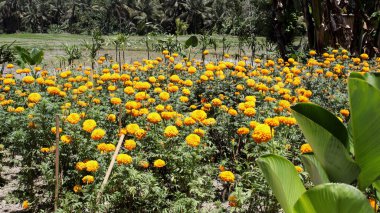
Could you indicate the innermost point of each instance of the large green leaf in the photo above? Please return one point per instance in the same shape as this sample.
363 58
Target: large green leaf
315 169
333 198
192 41
365 121
283 179
329 139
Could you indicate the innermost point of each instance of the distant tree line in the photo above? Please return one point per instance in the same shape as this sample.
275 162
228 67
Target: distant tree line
351 24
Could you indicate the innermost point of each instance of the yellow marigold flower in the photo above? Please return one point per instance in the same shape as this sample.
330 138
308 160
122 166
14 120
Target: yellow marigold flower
141 96
216 102
80 166
44 150
34 97
250 112
154 117
164 96
89 125
232 112
227 176
115 101
28 79
299 169
188 121
77 188
88 179
364 56
130 144
192 70
198 115
53 90
54 130
306 148
243 131
111 88
144 164
171 131
92 166
66 139
132 128
111 117
159 163
178 66
102 147
25 204
262 133
98 134
123 159
284 103
140 134
373 204
272 122
345 112
132 105
209 121
129 90
110 147
73 118
19 109
193 140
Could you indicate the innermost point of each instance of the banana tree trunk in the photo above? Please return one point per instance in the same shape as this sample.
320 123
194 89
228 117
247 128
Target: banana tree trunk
277 11
309 24
356 44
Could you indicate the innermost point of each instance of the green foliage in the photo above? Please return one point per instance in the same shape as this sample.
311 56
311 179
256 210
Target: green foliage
365 118
283 179
334 198
73 52
29 57
329 139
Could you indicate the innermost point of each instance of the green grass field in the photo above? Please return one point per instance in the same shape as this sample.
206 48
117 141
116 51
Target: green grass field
52 44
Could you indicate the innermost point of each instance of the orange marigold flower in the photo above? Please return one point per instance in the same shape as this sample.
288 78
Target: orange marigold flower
159 163
88 179
130 144
92 166
98 134
262 133
306 148
123 159
227 176
193 140
171 131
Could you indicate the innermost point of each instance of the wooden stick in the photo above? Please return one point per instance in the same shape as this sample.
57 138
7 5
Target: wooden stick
120 116
110 167
56 162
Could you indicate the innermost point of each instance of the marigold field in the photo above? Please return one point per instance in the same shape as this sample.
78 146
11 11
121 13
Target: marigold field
191 131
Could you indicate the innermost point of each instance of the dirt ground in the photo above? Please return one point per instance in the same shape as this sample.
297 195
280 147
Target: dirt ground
9 174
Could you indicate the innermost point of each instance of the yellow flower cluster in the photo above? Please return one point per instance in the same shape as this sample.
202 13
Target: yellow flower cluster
123 159
262 133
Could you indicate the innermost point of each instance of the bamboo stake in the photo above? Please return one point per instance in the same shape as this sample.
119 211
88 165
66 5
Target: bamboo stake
56 163
110 167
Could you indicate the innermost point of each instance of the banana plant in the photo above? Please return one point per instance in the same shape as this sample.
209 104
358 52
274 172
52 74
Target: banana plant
29 58
344 155
286 185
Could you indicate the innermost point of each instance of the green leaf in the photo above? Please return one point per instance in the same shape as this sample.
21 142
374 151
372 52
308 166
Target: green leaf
192 41
373 79
333 198
283 179
315 169
365 118
329 139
